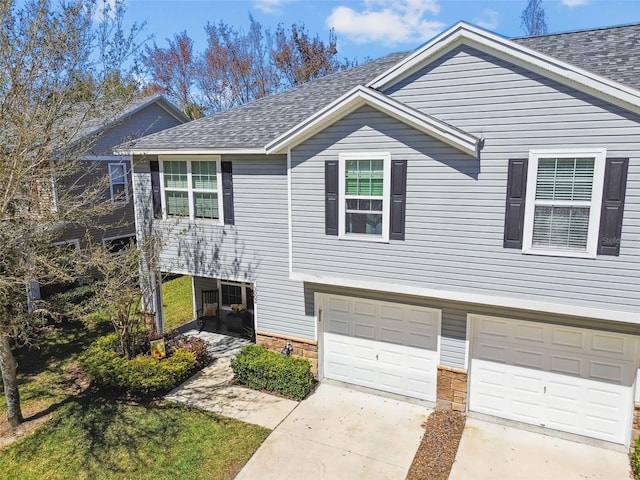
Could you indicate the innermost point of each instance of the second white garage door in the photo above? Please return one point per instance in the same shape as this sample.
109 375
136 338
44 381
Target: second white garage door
570 379
381 345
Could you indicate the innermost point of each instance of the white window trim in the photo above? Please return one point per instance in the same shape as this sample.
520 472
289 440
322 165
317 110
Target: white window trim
595 207
125 200
74 241
190 190
386 198
117 237
244 286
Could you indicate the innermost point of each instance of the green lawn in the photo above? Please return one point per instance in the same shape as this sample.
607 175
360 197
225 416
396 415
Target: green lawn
90 437
177 302
99 439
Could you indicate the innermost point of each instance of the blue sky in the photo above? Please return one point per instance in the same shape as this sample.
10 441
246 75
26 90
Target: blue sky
372 28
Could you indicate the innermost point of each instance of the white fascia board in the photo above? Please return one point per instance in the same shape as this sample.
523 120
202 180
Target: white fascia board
190 151
360 96
477 298
500 47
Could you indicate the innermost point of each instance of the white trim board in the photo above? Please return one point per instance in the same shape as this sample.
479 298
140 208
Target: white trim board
464 34
478 298
189 151
361 96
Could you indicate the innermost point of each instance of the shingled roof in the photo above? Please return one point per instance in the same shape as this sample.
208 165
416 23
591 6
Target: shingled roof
611 52
237 128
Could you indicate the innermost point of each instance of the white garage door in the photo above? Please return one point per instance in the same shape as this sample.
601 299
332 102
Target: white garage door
570 379
386 346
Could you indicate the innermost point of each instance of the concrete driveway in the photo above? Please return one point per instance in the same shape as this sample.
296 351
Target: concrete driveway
488 451
340 433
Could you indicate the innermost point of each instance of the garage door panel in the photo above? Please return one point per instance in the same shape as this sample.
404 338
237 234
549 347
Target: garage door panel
391 347
569 365
363 330
578 380
527 358
564 339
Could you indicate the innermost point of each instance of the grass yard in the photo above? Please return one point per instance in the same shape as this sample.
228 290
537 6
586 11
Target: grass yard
91 438
83 435
177 302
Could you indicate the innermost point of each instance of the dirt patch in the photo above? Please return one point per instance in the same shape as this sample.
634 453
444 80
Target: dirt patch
36 414
437 451
34 417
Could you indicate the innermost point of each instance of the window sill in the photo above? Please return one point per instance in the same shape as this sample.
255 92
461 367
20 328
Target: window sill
363 237
558 253
195 221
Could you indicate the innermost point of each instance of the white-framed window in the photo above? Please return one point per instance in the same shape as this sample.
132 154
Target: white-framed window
118 183
364 189
191 187
563 202
115 245
236 293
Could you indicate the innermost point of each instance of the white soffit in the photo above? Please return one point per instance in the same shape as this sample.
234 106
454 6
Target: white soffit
360 96
500 47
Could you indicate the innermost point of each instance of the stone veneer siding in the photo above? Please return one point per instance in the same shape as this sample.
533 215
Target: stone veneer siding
452 389
636 421
307 349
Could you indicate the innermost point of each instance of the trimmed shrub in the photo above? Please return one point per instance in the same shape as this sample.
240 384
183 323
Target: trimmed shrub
262 369
635 459
195 345
142 375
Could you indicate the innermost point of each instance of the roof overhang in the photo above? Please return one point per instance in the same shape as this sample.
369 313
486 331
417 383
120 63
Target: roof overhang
361 96
188 151
500 47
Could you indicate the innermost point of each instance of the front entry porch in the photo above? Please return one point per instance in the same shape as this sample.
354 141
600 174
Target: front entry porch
224 307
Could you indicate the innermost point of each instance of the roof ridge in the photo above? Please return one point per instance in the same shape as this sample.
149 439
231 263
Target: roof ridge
583 30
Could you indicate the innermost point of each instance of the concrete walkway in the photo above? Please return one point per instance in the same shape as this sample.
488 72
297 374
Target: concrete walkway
488 451
340 433
211 388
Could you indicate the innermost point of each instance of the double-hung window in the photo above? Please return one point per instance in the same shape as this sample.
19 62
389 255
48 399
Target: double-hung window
564 192
118 183
236 293
364 193
191 188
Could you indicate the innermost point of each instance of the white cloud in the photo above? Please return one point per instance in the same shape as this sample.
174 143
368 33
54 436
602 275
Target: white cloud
390 22
271 7
574 3
489 19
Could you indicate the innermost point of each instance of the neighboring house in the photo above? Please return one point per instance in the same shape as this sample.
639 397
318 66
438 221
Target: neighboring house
460 224
142 116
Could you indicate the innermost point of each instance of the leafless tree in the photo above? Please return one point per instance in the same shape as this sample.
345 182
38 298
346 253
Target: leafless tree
61 71
238 67
533 18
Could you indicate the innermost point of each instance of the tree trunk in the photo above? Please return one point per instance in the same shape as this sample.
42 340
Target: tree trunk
8 367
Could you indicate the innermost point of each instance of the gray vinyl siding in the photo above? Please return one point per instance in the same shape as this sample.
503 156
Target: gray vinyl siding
456 204
120 221
150 119
453 329
117 222
254 250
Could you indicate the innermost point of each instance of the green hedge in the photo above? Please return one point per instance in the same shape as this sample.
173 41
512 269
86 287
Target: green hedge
261 369
142 375
635 459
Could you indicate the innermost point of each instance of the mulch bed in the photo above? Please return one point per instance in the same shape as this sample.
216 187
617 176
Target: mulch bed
437 451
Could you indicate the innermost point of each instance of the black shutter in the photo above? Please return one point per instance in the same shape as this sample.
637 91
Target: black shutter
227 192
398 198
516 193
331 197
156 192
615 183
